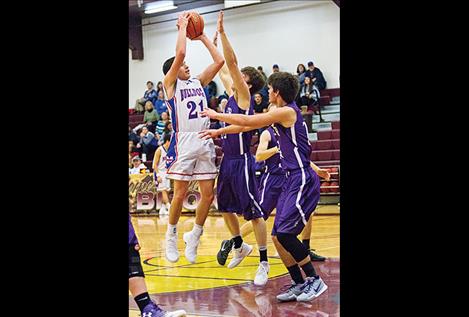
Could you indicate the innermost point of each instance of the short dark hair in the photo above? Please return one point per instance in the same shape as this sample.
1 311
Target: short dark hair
255 79
298 68
167 65
166 137
286 84
150 82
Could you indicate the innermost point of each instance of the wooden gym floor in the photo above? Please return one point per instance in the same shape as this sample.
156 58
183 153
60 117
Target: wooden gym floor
208 289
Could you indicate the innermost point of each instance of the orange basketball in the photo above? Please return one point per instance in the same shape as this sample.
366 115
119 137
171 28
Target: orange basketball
195 26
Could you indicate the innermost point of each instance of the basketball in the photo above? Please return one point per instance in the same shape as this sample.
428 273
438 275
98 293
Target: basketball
195 26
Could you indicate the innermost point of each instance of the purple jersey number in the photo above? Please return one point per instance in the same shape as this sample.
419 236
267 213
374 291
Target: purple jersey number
191 105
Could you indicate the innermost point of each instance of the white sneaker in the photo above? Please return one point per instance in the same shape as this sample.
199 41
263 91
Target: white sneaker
312 288
290 292
172 253
262 274
163 210
239 255
192 242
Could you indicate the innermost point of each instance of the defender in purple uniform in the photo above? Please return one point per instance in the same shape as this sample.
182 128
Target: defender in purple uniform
236 185
300 193
137 284
271 184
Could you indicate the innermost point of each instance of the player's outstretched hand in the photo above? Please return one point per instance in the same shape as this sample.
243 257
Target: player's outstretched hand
208 113
220 27
183 19
324 174
210 133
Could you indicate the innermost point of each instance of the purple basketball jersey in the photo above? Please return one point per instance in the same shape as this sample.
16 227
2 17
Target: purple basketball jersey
295 149
236 144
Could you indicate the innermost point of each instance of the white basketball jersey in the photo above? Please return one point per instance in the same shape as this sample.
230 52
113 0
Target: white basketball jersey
185 107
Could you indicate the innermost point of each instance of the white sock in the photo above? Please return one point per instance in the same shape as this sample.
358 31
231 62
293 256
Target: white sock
172 229
197 230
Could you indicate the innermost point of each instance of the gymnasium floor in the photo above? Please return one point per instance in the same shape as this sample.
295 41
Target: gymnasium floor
207 289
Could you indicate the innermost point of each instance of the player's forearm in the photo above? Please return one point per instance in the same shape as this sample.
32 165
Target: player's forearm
233 129
228 52
266 154
239 119
181 42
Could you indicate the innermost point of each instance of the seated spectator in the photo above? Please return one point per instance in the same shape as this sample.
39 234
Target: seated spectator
309 96
161 125
168 130
316 76
150 95
301 72
137 166
148 143
260 105
133 136
160 105
275 68
151 116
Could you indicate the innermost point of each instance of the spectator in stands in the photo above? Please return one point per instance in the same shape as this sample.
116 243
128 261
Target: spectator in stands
160 105
148 143
150 117
213 103
160 126
137 166
316 76
301 72
133 136
259 68
260 105
149 95
159 87
275 68
309 96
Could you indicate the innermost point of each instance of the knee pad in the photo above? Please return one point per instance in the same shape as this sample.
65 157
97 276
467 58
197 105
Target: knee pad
294 246
135 267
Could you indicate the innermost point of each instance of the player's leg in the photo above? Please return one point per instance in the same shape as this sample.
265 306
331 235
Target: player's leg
246 229
138 288
260 230
306 237
180 190
192 238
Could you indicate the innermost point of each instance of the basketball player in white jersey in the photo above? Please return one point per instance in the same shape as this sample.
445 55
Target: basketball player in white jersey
189 157
159 173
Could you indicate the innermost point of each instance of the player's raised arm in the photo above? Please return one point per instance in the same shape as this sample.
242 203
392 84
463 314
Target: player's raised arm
224 73
171 75
211 71
244 97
